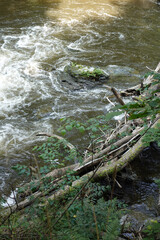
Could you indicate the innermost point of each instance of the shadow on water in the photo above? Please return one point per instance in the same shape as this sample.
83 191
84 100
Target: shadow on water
139 189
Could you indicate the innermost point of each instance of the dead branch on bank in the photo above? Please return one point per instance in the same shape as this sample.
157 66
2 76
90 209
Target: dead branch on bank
69 145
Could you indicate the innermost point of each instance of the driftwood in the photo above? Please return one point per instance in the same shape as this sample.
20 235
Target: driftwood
96 165
108 169
91 161
136 89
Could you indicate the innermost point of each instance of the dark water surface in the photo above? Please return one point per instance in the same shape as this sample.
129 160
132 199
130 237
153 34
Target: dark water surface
37 36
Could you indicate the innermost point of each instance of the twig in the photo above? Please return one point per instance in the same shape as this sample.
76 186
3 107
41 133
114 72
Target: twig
119 185
69 145
111 136
117 96
110 101
159 198
150 69
148 80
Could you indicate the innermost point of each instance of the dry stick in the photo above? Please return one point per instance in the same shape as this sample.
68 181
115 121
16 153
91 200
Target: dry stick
88 148
110 101
119 185
117 96
102 132
95 220
123 145
108 148
112 134
96 161
69 145
136 88
149 78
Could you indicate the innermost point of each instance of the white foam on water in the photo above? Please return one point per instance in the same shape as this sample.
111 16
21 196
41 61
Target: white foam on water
121 36
9 201
25 82
20 64
15 137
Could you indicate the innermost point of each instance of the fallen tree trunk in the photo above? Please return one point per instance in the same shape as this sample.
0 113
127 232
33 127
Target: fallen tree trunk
90 162
108 168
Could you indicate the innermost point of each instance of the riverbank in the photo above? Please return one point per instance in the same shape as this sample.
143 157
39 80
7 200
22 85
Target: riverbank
77 190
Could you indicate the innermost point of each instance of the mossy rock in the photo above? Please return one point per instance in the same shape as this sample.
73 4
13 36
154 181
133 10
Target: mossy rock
81 71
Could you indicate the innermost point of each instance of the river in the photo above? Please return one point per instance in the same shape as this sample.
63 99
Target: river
38 38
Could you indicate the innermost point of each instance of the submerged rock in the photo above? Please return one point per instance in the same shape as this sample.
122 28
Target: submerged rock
121 71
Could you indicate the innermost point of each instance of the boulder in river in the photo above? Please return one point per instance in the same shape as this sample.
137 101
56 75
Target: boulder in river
81 71
78 77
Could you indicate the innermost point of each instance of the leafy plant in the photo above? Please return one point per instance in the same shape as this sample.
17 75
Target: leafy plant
84 217
54 153
157 181
152 231
147 106
22 169
152 135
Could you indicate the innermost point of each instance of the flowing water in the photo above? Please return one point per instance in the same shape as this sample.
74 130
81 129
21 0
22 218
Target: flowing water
38 38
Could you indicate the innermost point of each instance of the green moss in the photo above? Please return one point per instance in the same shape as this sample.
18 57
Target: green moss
77 70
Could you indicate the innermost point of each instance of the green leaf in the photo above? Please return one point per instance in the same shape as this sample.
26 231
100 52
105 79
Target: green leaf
68 127
110 115
94 129
139 115
63 132
81 129
155 103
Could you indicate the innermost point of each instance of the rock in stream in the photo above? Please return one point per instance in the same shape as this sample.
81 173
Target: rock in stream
79 77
